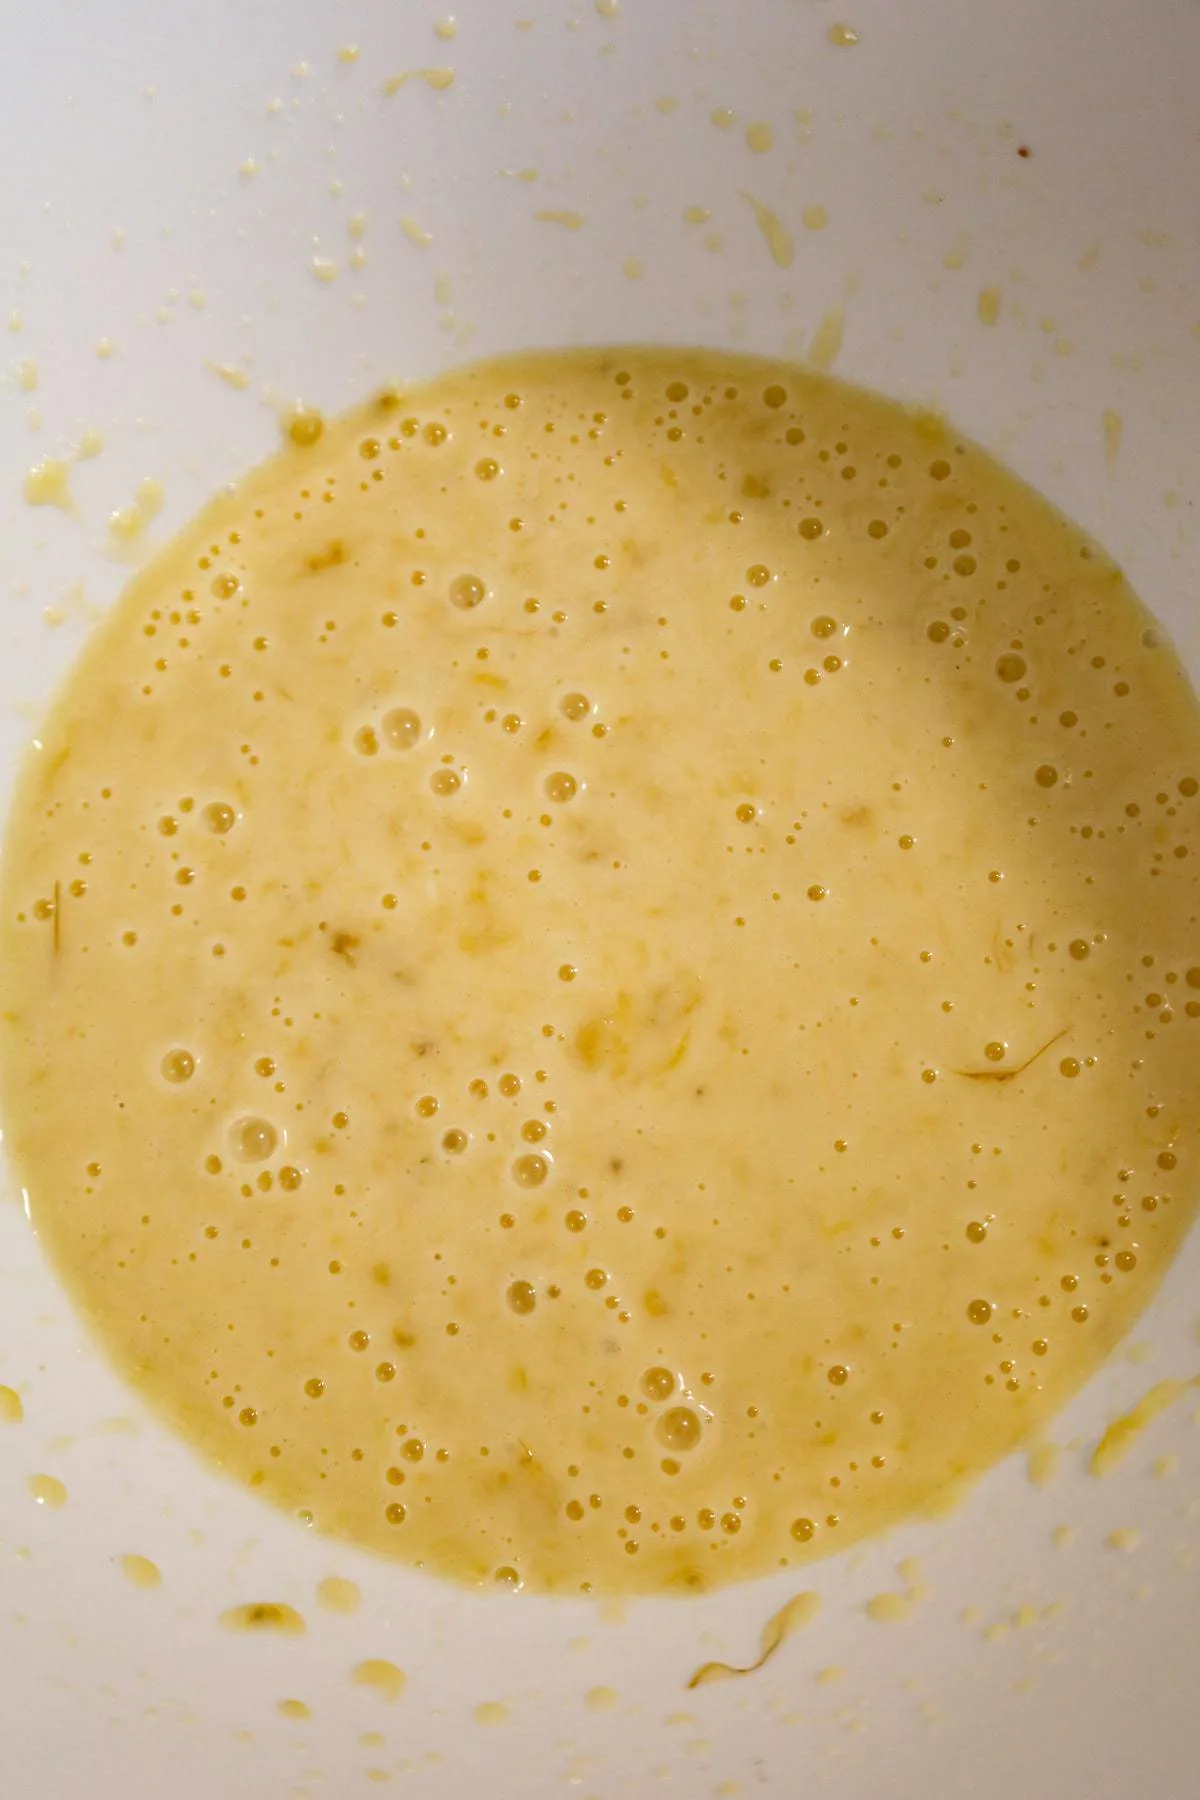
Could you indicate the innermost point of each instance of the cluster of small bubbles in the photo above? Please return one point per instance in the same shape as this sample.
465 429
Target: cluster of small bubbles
575 707
561 787
254 1139
521 1297
467 592
444 782
679 1428
219 817
178 1065
531 1170
401 728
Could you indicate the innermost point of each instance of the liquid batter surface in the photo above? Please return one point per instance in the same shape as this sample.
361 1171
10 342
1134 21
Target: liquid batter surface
600 970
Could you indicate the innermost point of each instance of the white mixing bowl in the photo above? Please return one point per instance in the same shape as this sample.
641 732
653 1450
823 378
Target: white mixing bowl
212 211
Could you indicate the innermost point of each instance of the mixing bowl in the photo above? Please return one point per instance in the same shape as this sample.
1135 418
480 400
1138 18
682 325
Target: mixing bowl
214 213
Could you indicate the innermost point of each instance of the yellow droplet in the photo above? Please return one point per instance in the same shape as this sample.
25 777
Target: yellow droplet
141 1572
988 305
437 79
48 483
888 1609
573 221
777 237
47 1490
264 1615
384 1677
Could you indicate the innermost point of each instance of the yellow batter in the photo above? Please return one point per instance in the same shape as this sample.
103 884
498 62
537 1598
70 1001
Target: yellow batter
589 970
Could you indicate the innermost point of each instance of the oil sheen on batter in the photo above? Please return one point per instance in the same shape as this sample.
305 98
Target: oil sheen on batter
600 970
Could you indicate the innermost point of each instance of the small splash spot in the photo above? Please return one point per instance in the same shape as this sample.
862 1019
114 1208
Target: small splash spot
264 1615
382 1676
987 306
47 1490
888 1609
776 236
141 1572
